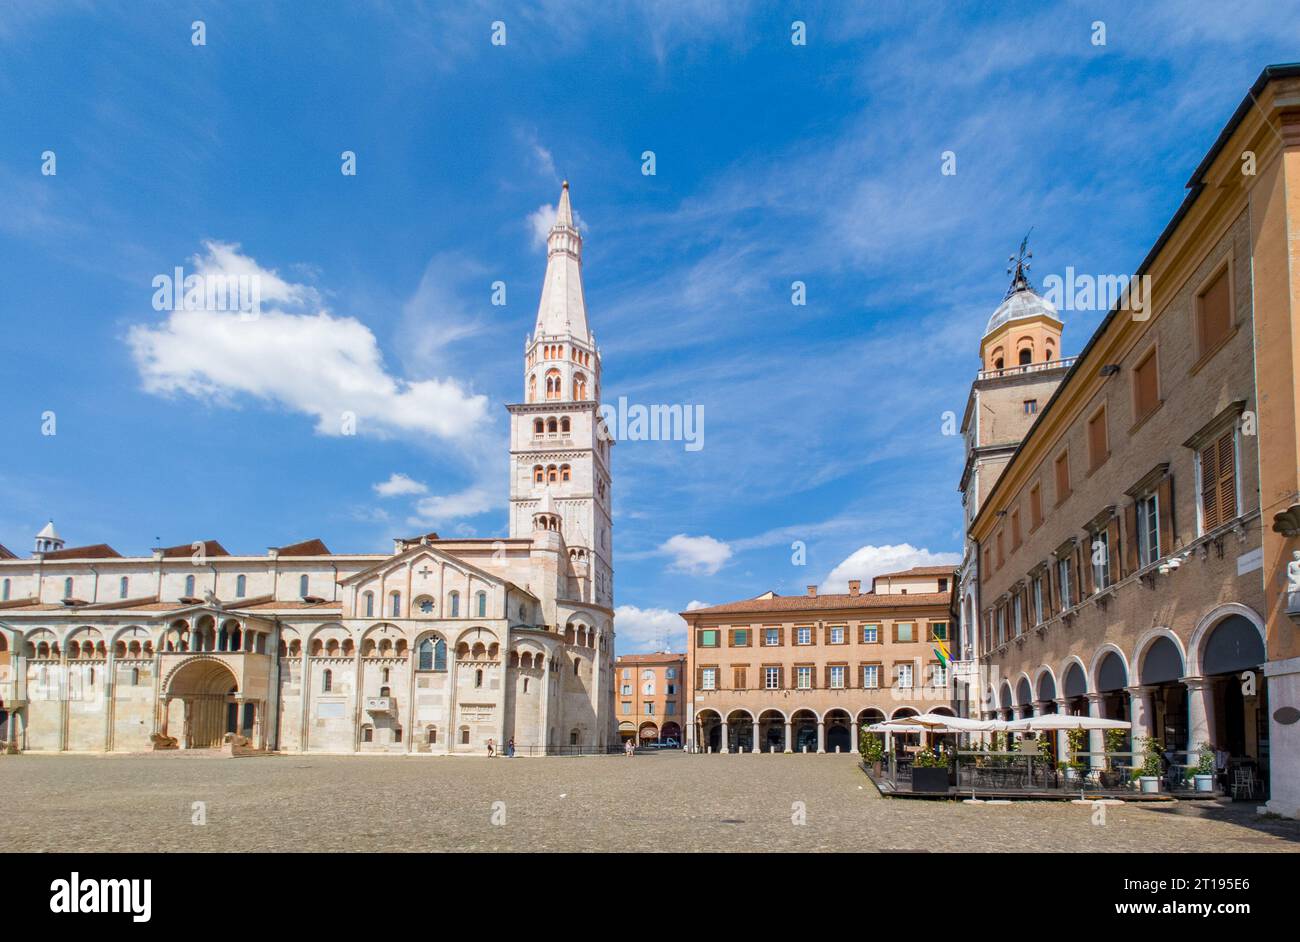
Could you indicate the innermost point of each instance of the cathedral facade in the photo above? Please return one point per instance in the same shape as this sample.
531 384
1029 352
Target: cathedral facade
436 648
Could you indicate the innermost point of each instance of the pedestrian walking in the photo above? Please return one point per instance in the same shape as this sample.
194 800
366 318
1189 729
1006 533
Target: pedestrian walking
510 748
492 749
629 749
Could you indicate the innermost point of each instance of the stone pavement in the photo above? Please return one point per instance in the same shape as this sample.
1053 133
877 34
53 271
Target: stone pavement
662 802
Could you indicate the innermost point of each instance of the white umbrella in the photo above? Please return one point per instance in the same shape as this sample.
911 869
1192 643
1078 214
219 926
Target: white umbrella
895 726
1050 721
942 723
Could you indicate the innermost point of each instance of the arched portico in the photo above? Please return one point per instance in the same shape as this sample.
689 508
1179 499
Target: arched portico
202 704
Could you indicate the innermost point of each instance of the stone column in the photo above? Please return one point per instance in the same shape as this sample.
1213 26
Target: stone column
1062 736
723 746
754 737
1096 737
1200 713
1142 713
821 736
788 737
855 737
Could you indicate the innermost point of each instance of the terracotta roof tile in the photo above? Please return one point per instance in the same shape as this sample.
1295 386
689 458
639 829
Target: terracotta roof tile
305 548
291 604
5 553
649 658
814 603
210 548
921 571
94 551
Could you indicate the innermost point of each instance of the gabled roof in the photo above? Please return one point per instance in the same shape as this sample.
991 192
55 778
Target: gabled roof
5 554
305 548
94 551
432 549
210 548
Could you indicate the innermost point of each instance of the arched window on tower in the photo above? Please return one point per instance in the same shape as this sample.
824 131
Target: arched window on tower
302 585
1026 356
539 475
553 384
481 608
241 586
564 472
538 426
397 604
579 386
453 604
370 604
123 587
532 387
564 425
550 425
189 587
552 473
327 680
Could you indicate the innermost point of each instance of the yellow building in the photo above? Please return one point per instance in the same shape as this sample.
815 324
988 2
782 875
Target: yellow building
1132 555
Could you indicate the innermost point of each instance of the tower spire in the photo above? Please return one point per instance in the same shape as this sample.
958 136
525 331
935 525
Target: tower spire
563 308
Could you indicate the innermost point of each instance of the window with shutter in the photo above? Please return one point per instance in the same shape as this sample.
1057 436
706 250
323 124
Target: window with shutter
1146 390
1098 447
1035 507
1213 315
1218 482
1062 476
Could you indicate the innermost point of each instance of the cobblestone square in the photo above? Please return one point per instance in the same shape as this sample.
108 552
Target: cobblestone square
666 802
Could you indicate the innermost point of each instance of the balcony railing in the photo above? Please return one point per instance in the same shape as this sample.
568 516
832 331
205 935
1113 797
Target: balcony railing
1062 363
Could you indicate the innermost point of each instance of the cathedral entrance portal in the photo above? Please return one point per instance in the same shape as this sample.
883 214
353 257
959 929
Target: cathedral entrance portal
202 705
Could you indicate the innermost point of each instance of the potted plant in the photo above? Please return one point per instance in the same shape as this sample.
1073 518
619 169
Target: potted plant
1149 771
930 771
1073 767
1203 778
1114 742
873 751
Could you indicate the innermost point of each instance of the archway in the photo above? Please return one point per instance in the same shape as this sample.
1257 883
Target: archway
208 706
771 731
671 731
740 731
838 736
709 726
803 731
1238 717
649 733
1112 679
1074 688
1161 668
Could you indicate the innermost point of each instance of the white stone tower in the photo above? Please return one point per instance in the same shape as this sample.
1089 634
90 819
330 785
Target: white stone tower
557 440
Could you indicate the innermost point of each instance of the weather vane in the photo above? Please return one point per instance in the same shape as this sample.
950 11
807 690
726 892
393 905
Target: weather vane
1020 265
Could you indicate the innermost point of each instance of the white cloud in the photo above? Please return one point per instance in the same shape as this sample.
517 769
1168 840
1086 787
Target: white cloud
696 554
869 561
316 364
438 510
399 485
646 630
696 603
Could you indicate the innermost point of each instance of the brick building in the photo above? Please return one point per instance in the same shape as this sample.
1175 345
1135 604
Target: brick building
802 673
650 700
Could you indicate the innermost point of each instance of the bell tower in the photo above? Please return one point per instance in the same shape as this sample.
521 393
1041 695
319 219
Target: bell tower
559 447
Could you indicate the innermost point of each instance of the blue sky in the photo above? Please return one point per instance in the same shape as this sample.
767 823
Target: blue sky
774 163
